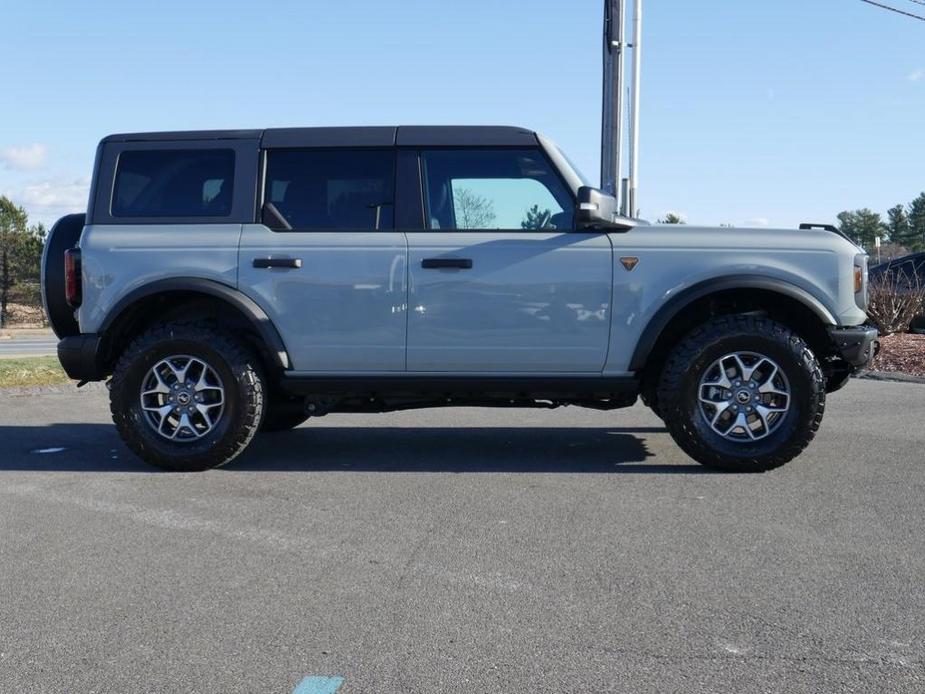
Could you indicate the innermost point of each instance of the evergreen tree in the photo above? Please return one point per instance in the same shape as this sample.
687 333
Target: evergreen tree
672 218
862 226
20 253
536 218
898 225
917 224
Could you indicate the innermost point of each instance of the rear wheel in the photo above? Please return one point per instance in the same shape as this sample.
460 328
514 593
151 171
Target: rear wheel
187 396
742 394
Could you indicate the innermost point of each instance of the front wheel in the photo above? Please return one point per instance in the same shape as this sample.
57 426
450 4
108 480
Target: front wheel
187 396
742 394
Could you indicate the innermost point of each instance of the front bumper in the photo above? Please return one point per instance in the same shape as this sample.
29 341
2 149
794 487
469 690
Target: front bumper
857 345
80 357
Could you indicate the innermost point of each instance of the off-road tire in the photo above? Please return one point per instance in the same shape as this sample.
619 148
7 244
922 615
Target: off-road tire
239 371
680 382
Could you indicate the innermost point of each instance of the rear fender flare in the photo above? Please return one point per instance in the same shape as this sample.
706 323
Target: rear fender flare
258 318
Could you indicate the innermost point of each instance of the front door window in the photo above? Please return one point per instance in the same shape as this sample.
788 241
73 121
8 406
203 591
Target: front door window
494 189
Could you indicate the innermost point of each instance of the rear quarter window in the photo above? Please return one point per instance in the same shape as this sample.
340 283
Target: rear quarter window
174 183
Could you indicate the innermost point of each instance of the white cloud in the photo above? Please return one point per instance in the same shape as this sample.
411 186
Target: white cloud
30 158
917 74
58 197
758 222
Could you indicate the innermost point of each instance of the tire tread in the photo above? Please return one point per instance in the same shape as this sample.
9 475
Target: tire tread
243 365
701 338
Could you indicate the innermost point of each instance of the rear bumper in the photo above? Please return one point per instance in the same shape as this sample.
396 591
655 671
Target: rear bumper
857 345
80 357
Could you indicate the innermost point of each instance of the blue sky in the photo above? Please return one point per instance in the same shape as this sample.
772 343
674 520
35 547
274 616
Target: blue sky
754 113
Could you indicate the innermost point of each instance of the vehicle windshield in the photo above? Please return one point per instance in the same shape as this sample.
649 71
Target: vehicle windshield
578 172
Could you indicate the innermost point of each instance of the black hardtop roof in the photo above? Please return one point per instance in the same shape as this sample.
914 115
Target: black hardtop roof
363 136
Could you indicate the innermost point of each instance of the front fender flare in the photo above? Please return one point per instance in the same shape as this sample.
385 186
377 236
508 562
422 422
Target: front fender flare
675 305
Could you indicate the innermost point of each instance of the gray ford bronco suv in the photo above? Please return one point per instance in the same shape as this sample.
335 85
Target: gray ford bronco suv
230 282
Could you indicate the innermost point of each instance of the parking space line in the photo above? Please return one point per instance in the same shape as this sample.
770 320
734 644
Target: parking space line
318 685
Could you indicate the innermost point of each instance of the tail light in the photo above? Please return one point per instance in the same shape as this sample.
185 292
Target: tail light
73 291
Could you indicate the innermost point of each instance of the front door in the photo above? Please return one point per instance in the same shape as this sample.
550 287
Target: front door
325 264
500 282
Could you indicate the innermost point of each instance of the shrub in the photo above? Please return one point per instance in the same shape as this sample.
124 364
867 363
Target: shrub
24 305
896 298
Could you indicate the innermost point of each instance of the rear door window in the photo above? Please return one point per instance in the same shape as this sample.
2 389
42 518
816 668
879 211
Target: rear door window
332 189
174 183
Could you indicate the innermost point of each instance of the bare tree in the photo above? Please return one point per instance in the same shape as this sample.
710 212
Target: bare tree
472 211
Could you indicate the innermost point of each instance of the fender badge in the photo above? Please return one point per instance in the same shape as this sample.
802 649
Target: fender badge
629 262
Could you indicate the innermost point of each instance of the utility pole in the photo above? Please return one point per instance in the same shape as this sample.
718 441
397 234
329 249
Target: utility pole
613 112
632 205
612 115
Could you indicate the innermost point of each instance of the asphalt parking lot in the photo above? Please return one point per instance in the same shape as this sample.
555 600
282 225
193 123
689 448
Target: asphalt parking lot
463 550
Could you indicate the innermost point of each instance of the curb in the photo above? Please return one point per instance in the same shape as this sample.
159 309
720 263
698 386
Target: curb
13 333
896 376
70 388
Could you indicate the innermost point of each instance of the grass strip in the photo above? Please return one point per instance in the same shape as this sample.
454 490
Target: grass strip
31 371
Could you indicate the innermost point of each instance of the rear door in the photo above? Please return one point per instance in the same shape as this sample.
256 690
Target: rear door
499 280
325 262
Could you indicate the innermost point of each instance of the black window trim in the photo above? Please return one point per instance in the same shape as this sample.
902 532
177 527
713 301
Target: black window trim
243 191
262 187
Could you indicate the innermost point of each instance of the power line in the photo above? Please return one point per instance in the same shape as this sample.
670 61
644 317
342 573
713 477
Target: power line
898 11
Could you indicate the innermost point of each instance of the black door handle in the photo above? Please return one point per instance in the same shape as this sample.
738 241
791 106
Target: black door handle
264 263
440 263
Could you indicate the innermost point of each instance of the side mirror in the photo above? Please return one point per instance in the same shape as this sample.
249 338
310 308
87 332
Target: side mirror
597 210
